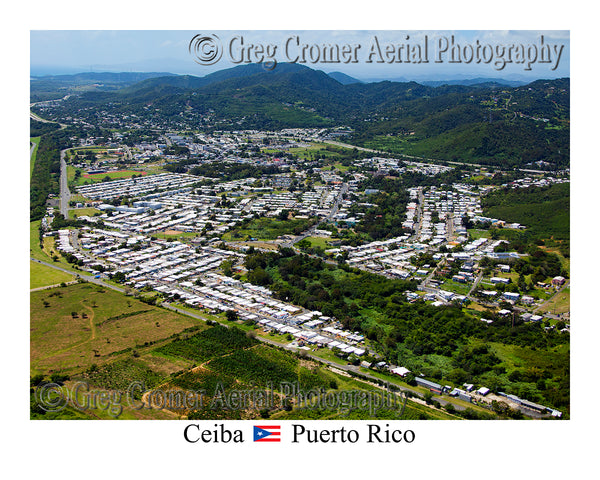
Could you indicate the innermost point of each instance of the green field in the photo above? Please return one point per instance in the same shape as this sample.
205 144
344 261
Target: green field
79 325
48 251
86 179
477 234
267 229
456 287
322 242
43 276
560 303
34 243
79 212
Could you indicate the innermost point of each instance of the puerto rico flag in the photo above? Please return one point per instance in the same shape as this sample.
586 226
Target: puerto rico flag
267 433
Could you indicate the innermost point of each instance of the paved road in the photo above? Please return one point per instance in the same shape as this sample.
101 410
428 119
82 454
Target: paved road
417 396
475 283
83 276
419 159
37 118
333 211
47 287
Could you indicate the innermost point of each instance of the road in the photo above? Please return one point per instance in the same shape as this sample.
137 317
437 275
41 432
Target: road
83 276
419 159
332 212
33 145
37 118
548 314
475 283
351 369
128 152
329 363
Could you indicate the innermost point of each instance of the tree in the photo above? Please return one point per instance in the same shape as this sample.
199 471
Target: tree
259 277
227 267
231 315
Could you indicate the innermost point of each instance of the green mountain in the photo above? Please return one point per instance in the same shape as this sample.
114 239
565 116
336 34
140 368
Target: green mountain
509 126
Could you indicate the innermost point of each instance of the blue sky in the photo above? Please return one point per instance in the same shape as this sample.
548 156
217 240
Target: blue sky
70 51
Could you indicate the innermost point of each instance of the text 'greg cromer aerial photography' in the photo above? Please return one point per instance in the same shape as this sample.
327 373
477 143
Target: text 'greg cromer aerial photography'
300 225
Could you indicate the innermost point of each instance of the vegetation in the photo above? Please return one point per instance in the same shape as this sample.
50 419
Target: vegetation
543 210
213 342
43 276
507 127
436 341
75 326
268 228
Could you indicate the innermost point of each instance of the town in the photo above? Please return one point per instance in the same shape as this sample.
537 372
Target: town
180 235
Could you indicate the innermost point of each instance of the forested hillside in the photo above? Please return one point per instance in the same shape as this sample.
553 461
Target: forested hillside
494 124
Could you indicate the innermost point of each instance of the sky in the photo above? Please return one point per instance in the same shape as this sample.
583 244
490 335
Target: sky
72 51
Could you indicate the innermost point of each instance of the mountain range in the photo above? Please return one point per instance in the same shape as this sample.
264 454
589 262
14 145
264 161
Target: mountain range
480 122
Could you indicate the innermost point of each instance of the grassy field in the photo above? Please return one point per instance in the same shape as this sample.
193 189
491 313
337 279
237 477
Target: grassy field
477 234
42 276
99 177
514 356
76 197
80 212
266 229
456 287
34 243
322 242
79 325
45 254
560 303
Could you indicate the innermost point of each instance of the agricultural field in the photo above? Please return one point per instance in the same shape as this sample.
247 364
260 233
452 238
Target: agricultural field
217 363
231 360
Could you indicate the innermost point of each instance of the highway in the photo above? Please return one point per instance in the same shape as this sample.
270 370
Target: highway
420 159
37 118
